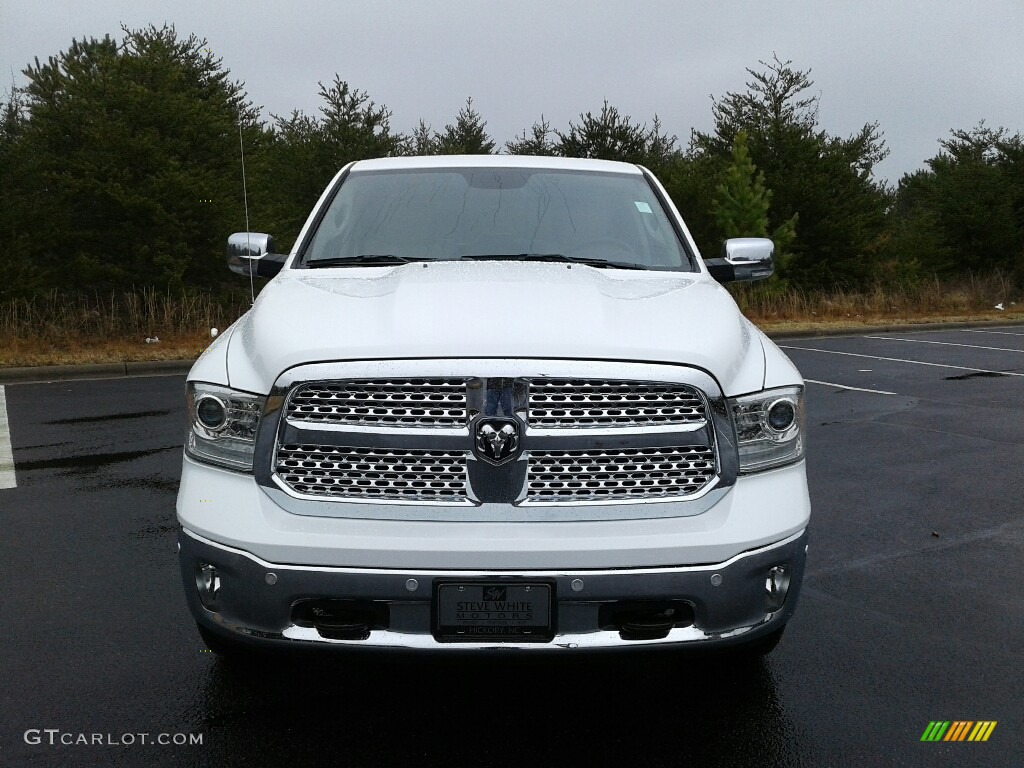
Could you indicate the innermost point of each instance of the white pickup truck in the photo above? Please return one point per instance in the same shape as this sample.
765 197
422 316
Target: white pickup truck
494 402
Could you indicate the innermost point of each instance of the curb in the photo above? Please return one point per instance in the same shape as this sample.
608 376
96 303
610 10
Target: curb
893 328
51 373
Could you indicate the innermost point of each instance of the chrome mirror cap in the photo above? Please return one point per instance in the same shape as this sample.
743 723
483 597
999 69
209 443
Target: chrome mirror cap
246 249
744 258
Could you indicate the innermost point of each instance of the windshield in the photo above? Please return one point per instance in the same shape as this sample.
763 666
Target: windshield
599 218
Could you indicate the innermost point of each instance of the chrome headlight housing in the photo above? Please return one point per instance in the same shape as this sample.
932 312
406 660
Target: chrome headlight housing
222 425
769 428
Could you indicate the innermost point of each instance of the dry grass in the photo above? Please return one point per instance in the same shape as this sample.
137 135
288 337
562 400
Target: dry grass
55 329
970 299
22 352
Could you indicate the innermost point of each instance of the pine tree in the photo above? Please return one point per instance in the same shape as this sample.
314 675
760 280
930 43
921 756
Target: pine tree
422 141
609 135
467 136
825 179
302 153
537 143
742 202
128 163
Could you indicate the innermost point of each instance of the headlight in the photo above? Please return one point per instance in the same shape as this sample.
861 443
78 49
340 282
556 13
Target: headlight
222 425
769 428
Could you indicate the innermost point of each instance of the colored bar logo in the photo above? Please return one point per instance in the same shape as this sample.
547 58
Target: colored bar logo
958 730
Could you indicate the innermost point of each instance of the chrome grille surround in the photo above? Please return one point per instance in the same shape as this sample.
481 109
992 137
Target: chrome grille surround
619 475
597 403
373 473
381 403
471 497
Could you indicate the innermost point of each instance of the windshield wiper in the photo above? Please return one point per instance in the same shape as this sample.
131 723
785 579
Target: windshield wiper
558 257
365 259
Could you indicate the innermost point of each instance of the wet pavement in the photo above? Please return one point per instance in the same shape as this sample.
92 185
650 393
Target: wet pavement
912 610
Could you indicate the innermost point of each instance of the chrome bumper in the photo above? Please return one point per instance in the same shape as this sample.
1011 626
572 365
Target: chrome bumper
254 599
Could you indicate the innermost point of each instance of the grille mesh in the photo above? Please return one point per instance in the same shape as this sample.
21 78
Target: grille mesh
582 404
615 475
374 473
437 471
382 403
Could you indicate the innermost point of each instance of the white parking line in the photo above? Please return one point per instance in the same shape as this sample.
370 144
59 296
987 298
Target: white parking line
7 479
901 360
854 389
945 343
998 333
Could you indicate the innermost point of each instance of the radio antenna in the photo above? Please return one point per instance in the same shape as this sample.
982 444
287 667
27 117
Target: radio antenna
245 201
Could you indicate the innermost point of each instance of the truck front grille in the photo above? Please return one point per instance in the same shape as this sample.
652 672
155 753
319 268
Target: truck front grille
421 440
372 473
583 404
381 403
616 475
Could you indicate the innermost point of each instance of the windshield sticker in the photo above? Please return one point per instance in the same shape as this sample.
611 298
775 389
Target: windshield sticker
642 206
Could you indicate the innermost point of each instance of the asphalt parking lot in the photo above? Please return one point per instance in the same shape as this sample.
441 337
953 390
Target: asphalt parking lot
912 609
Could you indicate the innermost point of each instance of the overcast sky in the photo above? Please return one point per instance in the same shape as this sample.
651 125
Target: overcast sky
918 67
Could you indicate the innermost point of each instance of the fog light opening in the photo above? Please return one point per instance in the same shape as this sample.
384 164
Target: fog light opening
208 585
645 619
336 619
776 586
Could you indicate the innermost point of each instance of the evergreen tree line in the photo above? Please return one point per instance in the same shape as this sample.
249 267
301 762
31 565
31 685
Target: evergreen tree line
120 168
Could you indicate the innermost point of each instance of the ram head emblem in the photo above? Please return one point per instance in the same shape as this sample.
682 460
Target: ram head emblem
497 440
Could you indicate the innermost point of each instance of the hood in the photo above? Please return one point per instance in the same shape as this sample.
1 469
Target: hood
494 309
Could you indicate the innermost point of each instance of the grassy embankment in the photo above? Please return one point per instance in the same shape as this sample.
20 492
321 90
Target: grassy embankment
60 330
54 329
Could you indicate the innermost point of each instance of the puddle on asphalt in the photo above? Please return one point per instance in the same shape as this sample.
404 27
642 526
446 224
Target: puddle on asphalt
91 462
976 375
112 417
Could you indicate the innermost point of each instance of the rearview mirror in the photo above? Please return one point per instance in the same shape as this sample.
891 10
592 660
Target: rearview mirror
743 258
252 253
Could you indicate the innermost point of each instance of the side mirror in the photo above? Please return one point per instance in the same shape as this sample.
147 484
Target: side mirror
252 253
744 258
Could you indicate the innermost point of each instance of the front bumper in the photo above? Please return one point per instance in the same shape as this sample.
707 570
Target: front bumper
229 508
728 602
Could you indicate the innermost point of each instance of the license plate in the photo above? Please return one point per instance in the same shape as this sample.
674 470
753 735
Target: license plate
494 612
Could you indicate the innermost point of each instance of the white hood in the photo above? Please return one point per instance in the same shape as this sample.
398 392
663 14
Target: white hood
494 309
